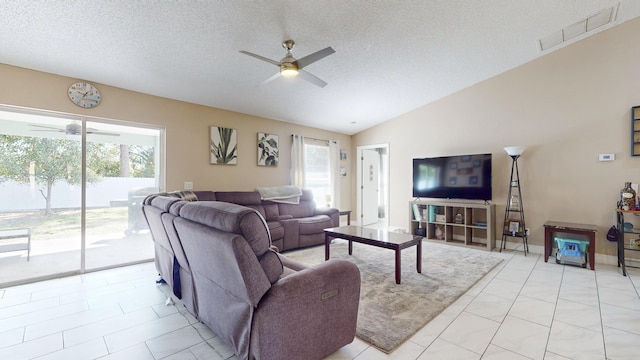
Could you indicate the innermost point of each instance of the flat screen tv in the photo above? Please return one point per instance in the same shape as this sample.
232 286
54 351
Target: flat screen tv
466 177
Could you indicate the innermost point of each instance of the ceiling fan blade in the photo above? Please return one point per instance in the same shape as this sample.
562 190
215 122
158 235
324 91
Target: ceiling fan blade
46 127
312 78
310 59
276 63
102 133
271 78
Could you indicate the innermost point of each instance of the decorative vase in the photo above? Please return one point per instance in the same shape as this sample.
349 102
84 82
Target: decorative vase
628 197
459 218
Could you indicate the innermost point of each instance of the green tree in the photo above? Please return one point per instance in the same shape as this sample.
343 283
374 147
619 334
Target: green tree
103 159
142 159
43 161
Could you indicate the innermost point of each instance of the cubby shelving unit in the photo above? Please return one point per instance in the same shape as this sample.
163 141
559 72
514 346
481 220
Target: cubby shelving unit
466 224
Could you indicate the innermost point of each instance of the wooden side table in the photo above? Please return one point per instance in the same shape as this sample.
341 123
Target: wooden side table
580 229
348 213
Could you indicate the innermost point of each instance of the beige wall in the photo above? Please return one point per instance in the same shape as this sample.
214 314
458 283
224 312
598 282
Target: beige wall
567 107
187 129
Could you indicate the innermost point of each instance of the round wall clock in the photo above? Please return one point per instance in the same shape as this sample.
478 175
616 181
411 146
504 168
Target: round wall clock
84 94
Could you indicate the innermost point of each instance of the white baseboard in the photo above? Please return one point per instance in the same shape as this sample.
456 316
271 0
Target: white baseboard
534 249
539 249
518 246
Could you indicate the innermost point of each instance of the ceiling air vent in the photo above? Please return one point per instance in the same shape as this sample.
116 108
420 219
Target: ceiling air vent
581 27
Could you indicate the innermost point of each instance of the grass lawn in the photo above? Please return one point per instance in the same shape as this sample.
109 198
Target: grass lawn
65 223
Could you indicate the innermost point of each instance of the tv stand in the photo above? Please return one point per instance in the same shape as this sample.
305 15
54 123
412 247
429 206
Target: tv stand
464 224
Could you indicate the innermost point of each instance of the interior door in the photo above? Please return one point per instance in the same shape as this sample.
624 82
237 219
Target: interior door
370 185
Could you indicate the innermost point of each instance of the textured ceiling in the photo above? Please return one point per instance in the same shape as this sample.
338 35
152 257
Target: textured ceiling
391 56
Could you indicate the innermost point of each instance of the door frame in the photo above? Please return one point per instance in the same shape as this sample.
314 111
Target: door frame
384 175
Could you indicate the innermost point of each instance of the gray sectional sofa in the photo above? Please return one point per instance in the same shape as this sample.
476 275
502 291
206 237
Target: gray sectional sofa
291 226
219 259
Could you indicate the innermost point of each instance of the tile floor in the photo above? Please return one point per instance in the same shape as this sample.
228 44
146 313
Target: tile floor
523 309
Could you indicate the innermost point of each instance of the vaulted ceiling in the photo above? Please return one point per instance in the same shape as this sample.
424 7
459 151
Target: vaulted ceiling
391 56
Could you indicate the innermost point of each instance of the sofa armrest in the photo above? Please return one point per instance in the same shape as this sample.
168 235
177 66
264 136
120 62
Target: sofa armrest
282 217
291 238
332 213
287 262
326 211
312 312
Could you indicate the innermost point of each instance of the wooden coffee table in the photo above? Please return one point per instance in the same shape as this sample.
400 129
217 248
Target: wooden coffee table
377 237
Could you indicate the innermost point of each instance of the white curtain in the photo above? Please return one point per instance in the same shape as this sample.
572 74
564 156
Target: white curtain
297 161
334 172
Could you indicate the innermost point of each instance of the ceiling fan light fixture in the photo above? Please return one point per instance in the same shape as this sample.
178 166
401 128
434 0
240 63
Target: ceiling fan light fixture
291 67
288 70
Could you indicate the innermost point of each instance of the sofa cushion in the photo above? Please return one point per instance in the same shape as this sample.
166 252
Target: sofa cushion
241 220
163 202
272 266
249 199
239 197
270 211
301 210
314 224
231 218
204 195
275 229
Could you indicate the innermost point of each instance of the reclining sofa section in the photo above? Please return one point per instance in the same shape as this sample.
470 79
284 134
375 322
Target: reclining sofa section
218 257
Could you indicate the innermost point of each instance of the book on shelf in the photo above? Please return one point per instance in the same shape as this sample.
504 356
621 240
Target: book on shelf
416 212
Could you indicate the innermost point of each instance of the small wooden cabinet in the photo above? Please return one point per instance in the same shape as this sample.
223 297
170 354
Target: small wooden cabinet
455 223
635 131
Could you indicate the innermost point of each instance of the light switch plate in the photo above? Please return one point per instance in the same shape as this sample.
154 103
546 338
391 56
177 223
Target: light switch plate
188 185
607 157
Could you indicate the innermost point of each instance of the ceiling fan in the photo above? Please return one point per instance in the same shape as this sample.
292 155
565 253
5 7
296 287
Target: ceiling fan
73 129
290 67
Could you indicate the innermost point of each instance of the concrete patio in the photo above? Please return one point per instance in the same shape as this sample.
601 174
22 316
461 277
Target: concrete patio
52 257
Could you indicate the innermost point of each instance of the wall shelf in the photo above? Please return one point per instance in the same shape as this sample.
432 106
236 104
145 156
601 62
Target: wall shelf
635 131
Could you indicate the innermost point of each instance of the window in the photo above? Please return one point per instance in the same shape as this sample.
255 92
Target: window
318 172
315 166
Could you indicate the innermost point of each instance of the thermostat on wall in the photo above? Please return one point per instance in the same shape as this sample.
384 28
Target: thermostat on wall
607 157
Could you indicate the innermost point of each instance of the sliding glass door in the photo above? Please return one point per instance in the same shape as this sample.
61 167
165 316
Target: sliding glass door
122 168
40 188
70 197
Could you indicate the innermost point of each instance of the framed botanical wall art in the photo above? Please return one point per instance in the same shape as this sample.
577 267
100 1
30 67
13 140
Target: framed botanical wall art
223 145
267 149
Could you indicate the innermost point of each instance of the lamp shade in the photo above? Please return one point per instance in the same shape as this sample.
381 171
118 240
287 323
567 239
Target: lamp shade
515 150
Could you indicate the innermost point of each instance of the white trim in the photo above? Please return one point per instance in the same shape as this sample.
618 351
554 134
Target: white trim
359 150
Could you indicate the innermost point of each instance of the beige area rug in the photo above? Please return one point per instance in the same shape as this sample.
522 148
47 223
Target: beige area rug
389 313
